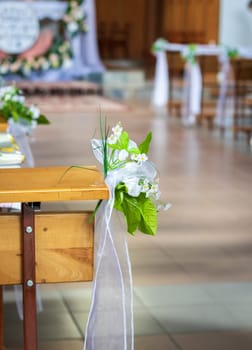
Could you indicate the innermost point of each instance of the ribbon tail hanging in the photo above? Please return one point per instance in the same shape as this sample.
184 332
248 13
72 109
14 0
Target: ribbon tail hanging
110 321
160 96
192 94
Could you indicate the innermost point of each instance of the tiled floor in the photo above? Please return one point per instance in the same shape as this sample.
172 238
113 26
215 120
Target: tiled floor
193 281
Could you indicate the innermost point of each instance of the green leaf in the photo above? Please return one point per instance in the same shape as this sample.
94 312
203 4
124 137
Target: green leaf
42 120
124 140
119 197
133 151
140 213
144 146
122 143
132 213
129 207
148 222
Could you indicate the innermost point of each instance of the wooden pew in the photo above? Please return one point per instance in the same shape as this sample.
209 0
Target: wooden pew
242 69
38 247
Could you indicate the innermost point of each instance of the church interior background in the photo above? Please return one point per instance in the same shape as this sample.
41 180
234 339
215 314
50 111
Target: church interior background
192 281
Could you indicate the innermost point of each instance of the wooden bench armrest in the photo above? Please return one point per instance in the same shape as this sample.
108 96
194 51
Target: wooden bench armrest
52 184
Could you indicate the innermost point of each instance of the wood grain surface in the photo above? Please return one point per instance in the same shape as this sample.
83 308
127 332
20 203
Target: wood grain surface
63 248
52 184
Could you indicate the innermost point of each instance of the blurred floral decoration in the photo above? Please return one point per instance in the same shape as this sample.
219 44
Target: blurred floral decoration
12 106
59 54
74 18
189 54
159 45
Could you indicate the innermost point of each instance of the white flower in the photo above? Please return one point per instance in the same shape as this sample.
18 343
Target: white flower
123 155
7 97
35 112
164 207
141 158
45 65
6 89
72 27
157 195
117 130
4 68
134 157
67 63
74 4
78 13
133 187
145 186
54 60
26 70
19 98
154 188
112 139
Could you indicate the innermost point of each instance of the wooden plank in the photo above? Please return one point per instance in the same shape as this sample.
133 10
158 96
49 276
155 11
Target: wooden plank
1 320
52 184
28 273
3 124
63 246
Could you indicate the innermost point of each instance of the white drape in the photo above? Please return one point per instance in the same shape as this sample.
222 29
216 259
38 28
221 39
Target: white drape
192 90
192 79
160 95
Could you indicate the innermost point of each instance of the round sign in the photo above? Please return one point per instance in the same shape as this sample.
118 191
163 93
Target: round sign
19 27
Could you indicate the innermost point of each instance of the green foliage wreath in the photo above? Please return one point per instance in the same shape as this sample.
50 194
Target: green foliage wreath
59 54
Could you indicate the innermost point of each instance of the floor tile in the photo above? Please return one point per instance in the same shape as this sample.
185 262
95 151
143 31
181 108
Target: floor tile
160 342
242 314
61 345
229 293
54 345
77 299
214 341
146 324
57 325
81 320
193 318
172 295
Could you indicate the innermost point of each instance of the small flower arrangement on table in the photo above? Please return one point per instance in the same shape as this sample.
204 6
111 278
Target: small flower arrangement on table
134 178
12 106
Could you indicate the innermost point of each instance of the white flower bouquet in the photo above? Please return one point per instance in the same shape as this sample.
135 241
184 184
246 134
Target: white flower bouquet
132 177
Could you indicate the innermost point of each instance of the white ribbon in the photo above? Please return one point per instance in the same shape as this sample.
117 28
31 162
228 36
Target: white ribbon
20 133
110 322
18 289
161 81
192 91
226 83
